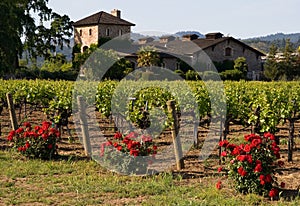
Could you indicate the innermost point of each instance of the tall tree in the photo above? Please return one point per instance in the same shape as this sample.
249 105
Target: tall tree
288 65
19 32
271 68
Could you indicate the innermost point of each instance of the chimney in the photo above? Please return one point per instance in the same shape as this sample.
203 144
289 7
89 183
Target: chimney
146 40
116 13
189 37
166 39
216 35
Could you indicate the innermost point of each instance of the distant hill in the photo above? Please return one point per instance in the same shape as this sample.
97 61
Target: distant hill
279 39
294 37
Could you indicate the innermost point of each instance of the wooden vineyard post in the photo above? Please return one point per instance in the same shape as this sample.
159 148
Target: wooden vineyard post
84 126
175 136
291 139
12 112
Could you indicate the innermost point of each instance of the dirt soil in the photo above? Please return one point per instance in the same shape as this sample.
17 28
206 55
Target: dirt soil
194 170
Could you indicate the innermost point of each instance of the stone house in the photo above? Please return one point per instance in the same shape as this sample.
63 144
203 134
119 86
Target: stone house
218 48
100 26
221 49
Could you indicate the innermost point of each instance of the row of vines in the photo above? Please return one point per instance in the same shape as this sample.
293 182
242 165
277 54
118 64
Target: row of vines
262 105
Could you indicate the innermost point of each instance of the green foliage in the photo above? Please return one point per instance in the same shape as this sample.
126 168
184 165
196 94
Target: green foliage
225 65
285 67
232 74
240 64
271 68
17 22
100 61
192 75
147 57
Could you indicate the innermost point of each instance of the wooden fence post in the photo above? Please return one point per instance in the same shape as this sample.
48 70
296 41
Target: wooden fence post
84 126
12 112
175 136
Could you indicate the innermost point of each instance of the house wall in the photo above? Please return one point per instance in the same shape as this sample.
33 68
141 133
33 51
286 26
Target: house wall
114 30
217 54
98 31
86 39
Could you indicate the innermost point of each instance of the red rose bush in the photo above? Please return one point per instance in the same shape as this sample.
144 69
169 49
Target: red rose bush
128 154
252 165
35 142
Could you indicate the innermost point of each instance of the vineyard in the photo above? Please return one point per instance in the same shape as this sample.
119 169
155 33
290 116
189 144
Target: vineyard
246 107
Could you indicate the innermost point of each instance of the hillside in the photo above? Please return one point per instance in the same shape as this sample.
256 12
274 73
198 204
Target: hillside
279 39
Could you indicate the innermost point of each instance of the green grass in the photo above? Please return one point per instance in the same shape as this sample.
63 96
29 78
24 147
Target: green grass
83 182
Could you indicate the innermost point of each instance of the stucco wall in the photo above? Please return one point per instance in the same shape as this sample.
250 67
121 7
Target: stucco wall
86 39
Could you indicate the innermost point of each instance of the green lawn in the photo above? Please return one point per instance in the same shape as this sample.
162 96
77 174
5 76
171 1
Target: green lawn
81 182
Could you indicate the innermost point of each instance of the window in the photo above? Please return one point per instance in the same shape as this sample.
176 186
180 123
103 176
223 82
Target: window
80 32
163 65
107 32
177 65
120 32
90 32
228 51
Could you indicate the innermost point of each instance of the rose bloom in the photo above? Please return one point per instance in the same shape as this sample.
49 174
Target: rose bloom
268 178
262 179
219 185
224 154
242 172
258 168
220 169
273 192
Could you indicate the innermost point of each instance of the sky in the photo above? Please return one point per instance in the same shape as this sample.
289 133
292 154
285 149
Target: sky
237 18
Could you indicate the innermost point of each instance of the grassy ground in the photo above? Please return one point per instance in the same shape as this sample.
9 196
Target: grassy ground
72 181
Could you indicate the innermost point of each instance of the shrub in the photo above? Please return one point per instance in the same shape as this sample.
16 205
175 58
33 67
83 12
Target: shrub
128 154
252 165
36 142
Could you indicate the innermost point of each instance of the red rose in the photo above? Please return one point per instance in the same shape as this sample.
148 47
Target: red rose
255 142
20 130
45 136
9 138
242 172
219 185
50 146
273 192
236 151
119 148
27 145
258 168
223 143
118 135
224 154
247 148
242 158
262 179
27 124
269 136
268 178
220 169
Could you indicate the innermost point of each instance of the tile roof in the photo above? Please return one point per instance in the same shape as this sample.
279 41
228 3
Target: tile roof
102 18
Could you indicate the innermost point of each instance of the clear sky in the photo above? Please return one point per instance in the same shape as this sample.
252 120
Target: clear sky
237 18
